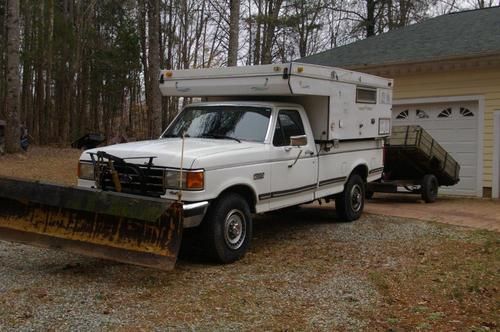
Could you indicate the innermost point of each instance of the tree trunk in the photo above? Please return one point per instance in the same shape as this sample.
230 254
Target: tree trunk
141 24
3 44
370 18
273 13
154 69
13 134
258 27
234 33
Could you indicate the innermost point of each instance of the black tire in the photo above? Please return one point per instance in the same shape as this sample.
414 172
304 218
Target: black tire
227 228
350 203
430 188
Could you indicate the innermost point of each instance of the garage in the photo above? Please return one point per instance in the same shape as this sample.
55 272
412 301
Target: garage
455 126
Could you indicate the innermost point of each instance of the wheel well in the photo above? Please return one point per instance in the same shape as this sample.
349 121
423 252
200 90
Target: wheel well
246 192
361 170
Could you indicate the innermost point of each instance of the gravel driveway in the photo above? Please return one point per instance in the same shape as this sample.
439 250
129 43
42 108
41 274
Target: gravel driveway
306 271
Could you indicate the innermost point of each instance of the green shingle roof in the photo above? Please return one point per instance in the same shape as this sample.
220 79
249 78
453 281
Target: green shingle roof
462 34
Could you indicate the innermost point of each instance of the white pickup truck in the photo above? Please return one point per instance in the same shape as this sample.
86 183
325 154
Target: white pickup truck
264 138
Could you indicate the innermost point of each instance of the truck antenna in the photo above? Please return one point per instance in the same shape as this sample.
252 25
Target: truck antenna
179 193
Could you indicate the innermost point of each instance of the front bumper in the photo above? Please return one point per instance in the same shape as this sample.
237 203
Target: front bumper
194 213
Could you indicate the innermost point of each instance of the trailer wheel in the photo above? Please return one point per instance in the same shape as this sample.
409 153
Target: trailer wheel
227 228
430 187
350 203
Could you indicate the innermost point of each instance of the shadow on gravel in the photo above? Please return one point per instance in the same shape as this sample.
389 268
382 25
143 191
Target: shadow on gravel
407 198
268 230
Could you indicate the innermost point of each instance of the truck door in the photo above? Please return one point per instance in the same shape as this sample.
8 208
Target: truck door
294 169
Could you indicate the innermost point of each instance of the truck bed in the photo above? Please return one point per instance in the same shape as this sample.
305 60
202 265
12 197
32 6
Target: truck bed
411 152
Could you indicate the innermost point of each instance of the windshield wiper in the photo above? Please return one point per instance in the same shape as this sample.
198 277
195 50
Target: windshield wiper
216 136
174 136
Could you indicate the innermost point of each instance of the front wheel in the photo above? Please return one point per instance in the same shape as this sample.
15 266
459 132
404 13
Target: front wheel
350 203
227 228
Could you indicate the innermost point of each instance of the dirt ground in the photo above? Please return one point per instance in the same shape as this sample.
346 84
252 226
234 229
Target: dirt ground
306 270
477 213
42 163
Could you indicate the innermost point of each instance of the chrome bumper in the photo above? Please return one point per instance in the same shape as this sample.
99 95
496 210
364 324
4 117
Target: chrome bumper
194 213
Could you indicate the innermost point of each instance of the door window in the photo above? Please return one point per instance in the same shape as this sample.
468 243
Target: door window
289 124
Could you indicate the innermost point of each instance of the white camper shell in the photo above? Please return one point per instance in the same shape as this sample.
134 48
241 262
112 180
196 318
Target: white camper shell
340 104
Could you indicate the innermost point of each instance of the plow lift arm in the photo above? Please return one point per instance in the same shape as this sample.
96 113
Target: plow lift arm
133 229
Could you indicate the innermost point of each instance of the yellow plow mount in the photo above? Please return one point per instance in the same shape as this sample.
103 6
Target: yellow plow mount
126 228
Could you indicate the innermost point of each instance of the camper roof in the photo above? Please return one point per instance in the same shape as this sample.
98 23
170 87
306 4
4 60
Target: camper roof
265 80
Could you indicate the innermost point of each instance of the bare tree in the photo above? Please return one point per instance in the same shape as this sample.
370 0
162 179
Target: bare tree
234 33
483 3
88 65
12 103
271 21
154 104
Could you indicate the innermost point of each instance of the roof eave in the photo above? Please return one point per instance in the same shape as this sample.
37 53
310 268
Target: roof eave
483 56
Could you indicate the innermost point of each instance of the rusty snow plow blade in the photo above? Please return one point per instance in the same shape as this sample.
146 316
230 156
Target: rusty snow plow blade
126 228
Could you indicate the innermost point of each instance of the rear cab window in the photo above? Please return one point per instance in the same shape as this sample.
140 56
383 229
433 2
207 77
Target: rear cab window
288 124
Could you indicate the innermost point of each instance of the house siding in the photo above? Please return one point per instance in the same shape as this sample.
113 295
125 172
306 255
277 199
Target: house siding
470 82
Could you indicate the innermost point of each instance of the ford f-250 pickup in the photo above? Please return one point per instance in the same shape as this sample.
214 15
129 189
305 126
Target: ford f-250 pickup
263 138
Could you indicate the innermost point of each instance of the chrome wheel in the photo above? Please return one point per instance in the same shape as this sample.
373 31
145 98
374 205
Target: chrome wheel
356 197
235 229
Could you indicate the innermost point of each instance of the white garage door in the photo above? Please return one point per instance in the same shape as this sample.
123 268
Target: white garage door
455 127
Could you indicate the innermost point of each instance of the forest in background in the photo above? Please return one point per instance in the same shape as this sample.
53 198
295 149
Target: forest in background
91 65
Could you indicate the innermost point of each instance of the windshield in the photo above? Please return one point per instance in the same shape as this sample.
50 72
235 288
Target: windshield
225 122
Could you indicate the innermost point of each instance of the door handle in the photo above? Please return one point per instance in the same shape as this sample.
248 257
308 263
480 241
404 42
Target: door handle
288 148
309 152
296 159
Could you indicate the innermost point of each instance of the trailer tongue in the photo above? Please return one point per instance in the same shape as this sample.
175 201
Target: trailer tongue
126 228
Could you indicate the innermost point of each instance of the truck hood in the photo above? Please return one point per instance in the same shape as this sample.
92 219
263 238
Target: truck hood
168 151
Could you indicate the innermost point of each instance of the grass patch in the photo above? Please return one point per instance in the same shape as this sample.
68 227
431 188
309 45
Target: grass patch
435 316
380 281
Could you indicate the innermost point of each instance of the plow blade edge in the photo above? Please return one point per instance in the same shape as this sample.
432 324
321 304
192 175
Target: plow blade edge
126 228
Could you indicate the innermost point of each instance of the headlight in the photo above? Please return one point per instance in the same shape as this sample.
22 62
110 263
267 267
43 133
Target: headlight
86 171
191 180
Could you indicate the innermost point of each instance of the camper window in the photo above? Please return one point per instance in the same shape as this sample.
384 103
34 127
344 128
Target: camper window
366 95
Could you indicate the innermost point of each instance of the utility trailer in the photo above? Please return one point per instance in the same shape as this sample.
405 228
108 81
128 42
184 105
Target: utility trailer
415 161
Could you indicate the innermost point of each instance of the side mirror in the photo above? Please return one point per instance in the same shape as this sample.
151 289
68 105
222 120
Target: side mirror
298 140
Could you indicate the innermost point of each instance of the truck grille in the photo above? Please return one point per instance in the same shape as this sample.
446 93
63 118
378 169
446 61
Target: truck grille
151 184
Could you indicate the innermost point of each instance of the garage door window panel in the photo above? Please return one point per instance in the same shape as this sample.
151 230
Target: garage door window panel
404 115
446 113
466 113
421 114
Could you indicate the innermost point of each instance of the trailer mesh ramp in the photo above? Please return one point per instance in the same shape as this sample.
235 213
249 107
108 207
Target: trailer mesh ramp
411 152
126 228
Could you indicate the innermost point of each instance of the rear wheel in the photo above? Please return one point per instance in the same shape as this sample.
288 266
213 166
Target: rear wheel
227 228
350 203
430 187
